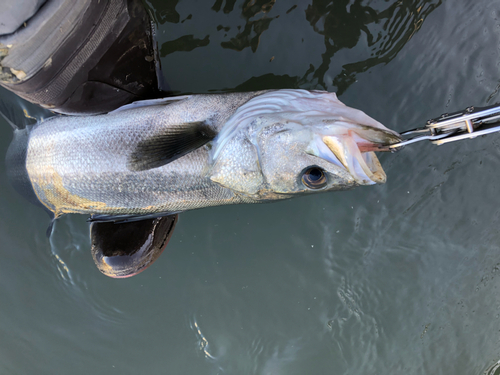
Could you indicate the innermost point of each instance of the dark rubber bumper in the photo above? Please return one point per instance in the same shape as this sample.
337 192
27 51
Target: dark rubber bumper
82 57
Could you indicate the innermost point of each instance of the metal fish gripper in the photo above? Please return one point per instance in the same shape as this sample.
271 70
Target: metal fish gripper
450 127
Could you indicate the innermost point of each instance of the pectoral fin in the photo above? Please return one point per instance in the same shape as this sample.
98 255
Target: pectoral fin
122 250
173 143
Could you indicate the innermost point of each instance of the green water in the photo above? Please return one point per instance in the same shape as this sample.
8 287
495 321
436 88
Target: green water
399 278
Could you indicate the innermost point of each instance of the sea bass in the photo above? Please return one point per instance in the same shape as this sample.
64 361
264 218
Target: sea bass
159 157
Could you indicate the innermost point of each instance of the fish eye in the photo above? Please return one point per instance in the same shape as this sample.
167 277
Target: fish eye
314 178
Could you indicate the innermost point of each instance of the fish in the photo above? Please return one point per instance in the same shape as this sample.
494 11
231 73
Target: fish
160 157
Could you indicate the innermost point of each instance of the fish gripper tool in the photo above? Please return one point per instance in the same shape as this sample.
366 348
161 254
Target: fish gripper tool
449 127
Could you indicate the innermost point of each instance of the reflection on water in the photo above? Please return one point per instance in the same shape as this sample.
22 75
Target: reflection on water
203 344
380 29
249 35
185 43
345 23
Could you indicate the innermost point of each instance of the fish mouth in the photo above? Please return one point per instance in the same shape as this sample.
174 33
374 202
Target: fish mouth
354 151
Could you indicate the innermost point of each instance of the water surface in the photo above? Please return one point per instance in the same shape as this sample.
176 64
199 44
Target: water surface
379 280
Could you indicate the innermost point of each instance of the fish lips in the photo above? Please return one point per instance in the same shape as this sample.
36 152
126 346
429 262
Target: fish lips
353 150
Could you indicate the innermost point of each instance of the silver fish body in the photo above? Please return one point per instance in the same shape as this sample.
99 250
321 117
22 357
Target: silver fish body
232 148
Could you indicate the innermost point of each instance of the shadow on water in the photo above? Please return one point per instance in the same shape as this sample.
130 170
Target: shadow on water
385 28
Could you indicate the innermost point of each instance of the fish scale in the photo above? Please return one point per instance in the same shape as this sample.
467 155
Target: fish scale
86 158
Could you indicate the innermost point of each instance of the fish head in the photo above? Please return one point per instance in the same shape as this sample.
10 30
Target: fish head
322 156
314 143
